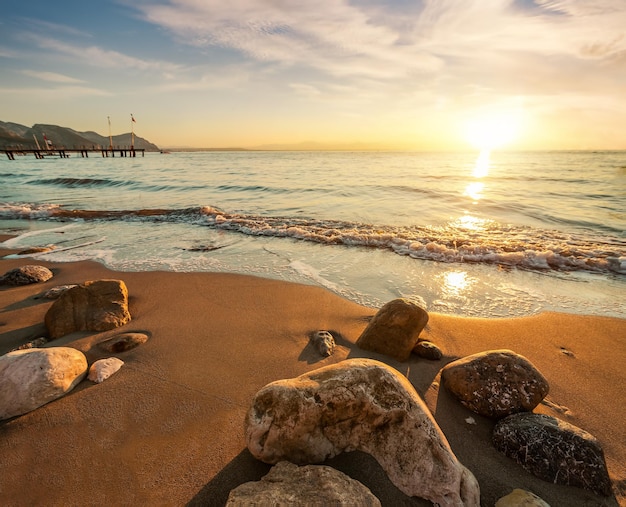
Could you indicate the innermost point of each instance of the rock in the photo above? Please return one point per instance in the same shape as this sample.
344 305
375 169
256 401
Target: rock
394 330
359 404
33 344
324 342
553 450
93 306
123 342
289 484
25 275
104 368
521 498
55 292
36 250
31 378
496 383
428 350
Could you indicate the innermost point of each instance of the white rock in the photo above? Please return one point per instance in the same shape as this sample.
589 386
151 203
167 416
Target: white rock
360 404
104 368
33 377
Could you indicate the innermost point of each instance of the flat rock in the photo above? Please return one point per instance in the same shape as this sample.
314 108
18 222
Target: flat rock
395 329
428 350
521 498
55 292
359 404
123 342
104 368
554 450
25 275
496 383
99 305
33 377
303 486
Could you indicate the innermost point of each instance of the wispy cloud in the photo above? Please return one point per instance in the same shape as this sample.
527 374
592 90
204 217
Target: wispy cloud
99 57
51 76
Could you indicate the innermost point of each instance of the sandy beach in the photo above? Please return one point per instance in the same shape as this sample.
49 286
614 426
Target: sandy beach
167 429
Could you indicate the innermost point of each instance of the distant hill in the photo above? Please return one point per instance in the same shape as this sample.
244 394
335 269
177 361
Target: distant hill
16 136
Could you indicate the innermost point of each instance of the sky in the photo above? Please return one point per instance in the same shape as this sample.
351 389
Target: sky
369 74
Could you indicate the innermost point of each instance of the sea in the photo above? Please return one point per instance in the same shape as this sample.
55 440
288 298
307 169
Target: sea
478 234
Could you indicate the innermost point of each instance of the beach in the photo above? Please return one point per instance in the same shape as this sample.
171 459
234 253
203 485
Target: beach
167 429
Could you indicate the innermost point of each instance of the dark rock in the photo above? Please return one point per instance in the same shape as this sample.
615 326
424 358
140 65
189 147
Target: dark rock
428 350
33 344
25 275
496 383
36 250
554 450
395 329
93 306
123 342
324 342
359 404
309 485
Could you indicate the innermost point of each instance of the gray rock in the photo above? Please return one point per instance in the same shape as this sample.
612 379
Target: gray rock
104 368
496 383
33 344
25 275
93 306
31 378
395 329
324 343
359 404
123 342
554 450
521 498
55 292
310 485
428 350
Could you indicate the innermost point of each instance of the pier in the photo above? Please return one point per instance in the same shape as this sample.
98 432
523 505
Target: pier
65 152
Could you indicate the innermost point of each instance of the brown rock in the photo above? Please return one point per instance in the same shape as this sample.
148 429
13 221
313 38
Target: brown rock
394 330
310 485
496 383
359 404
521 498
93 306
428 350
123 342
324 343
25 275
554 450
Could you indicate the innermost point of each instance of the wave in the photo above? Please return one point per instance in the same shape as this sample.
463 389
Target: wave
79 182
478 241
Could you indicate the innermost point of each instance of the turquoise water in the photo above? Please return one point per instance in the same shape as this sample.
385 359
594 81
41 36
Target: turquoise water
498 234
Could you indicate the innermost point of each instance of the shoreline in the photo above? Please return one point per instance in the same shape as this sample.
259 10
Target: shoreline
168 427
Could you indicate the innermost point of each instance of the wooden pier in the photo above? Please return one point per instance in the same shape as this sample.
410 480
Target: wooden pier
65 152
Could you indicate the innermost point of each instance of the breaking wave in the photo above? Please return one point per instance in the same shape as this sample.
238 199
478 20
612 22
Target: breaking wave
482 241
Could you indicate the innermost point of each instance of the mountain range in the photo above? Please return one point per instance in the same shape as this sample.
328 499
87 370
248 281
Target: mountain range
16 136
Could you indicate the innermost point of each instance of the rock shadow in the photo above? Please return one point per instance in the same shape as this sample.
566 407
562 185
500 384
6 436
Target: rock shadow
243 468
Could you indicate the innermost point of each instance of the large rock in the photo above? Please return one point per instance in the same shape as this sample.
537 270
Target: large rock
289 484
25 275
93 306
554 450
33 377
496 383
359 404
394 329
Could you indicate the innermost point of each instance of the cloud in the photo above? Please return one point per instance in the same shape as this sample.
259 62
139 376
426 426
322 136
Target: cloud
99 57
51 76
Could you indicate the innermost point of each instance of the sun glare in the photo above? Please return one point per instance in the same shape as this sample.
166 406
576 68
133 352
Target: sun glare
491 131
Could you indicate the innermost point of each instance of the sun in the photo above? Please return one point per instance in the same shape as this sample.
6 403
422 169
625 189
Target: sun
492 130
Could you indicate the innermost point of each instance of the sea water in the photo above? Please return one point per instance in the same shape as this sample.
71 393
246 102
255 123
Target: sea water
475 234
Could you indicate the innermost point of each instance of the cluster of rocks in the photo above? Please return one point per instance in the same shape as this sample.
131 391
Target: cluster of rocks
362 404
31 376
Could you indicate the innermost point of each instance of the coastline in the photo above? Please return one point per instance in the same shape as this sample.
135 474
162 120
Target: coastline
168 428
